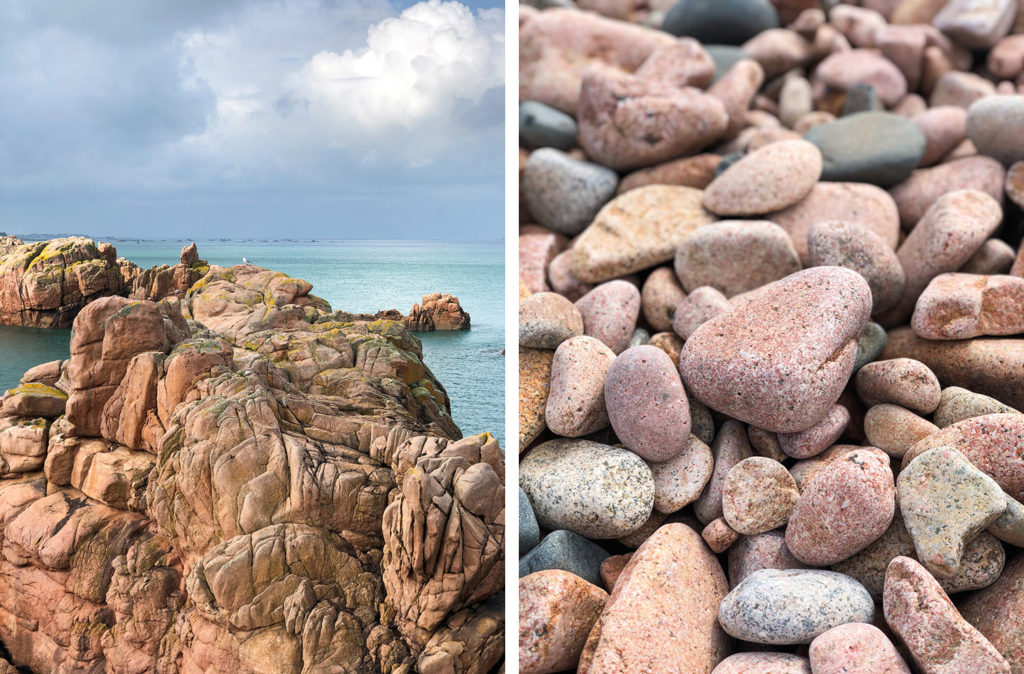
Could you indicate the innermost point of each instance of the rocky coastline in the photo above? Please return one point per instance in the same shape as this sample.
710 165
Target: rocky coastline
228 475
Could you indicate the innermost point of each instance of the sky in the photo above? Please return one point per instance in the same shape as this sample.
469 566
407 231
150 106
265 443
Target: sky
252 118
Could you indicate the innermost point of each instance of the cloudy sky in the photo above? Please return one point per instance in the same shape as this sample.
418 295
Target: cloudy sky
268 118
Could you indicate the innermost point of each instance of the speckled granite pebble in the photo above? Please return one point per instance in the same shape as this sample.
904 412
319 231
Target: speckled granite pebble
924 618
998 613
961 306
1010 525
610 312
819 437
855 648
611 569
843 69
765 443
870 343
646 403
568 551
564 193
556 612
660 296
900 381
561 279
534 385
763 663
994 257
575 403
805 469
596 490
761 551
635 539
702 423
546 320
697 308
917 193
769 179
758 495
679 481
847 245
529 530
781 359
729 448
719 535
895 429
843 509
946 502
672 586
670 343
793 606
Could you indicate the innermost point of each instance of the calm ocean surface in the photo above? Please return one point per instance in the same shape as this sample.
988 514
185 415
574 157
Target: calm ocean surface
355 276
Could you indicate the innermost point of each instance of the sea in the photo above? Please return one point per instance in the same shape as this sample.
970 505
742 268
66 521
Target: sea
359 276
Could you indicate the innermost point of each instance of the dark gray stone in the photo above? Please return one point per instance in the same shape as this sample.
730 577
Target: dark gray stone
870 343
868 147
724 56
529 530
861 98
720 21
541 125
567 551
564 194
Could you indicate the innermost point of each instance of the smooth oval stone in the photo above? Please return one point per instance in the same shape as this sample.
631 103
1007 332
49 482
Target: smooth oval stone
793 606
788 351
945 238
944 128
734 256
961 306
696 171
995 124
556 613
819 437
637 230
917 193
725 22
546 320
660 296
855 648
931 628
561 279
900 381
994 443
672 586
843 69
646 403
534 386
758 495
540 125
596 490
568 551
957 404
564 194
857 204
679 481
761 551
610 312
998 613
575 403
870 343
870 147
994 257
778 51
769 179
805 469
843 509
763 663
894 429
729 448
841 244
671 344
698 308
529 530
719 535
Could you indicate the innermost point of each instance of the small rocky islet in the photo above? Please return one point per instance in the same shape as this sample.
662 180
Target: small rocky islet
227 475
782 429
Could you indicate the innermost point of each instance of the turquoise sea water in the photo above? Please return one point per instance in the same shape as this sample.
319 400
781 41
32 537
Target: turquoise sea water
356 276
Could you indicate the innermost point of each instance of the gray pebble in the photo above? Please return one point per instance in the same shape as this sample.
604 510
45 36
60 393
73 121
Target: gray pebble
529 530
869 345
564 194
869 147
640 338
540 125
567 551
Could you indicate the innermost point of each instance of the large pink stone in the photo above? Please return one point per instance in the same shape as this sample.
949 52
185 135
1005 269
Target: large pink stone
998 612
557 610
961 306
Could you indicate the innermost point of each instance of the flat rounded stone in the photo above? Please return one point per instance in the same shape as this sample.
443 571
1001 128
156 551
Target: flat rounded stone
556 613
575 403
568 551
819 437
561 279
961 306
931 628
540 125
563 193
995 124
659 297
998 613
944 127
855 648
765 443
843 69
994 257
961 88
529 530
973 25
899 381
758 495
596 490
870 147
946 502
957 404
679 481
729 448
697 308
917 193
646 403
771 178
534 386
763 663
546 320
788 351
793 606
610 312
638 229
777 50
672 586
805 469
840 244
870 343
843 509
766 550
894 429
719 535
726 22
697 171
734 256
857 204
